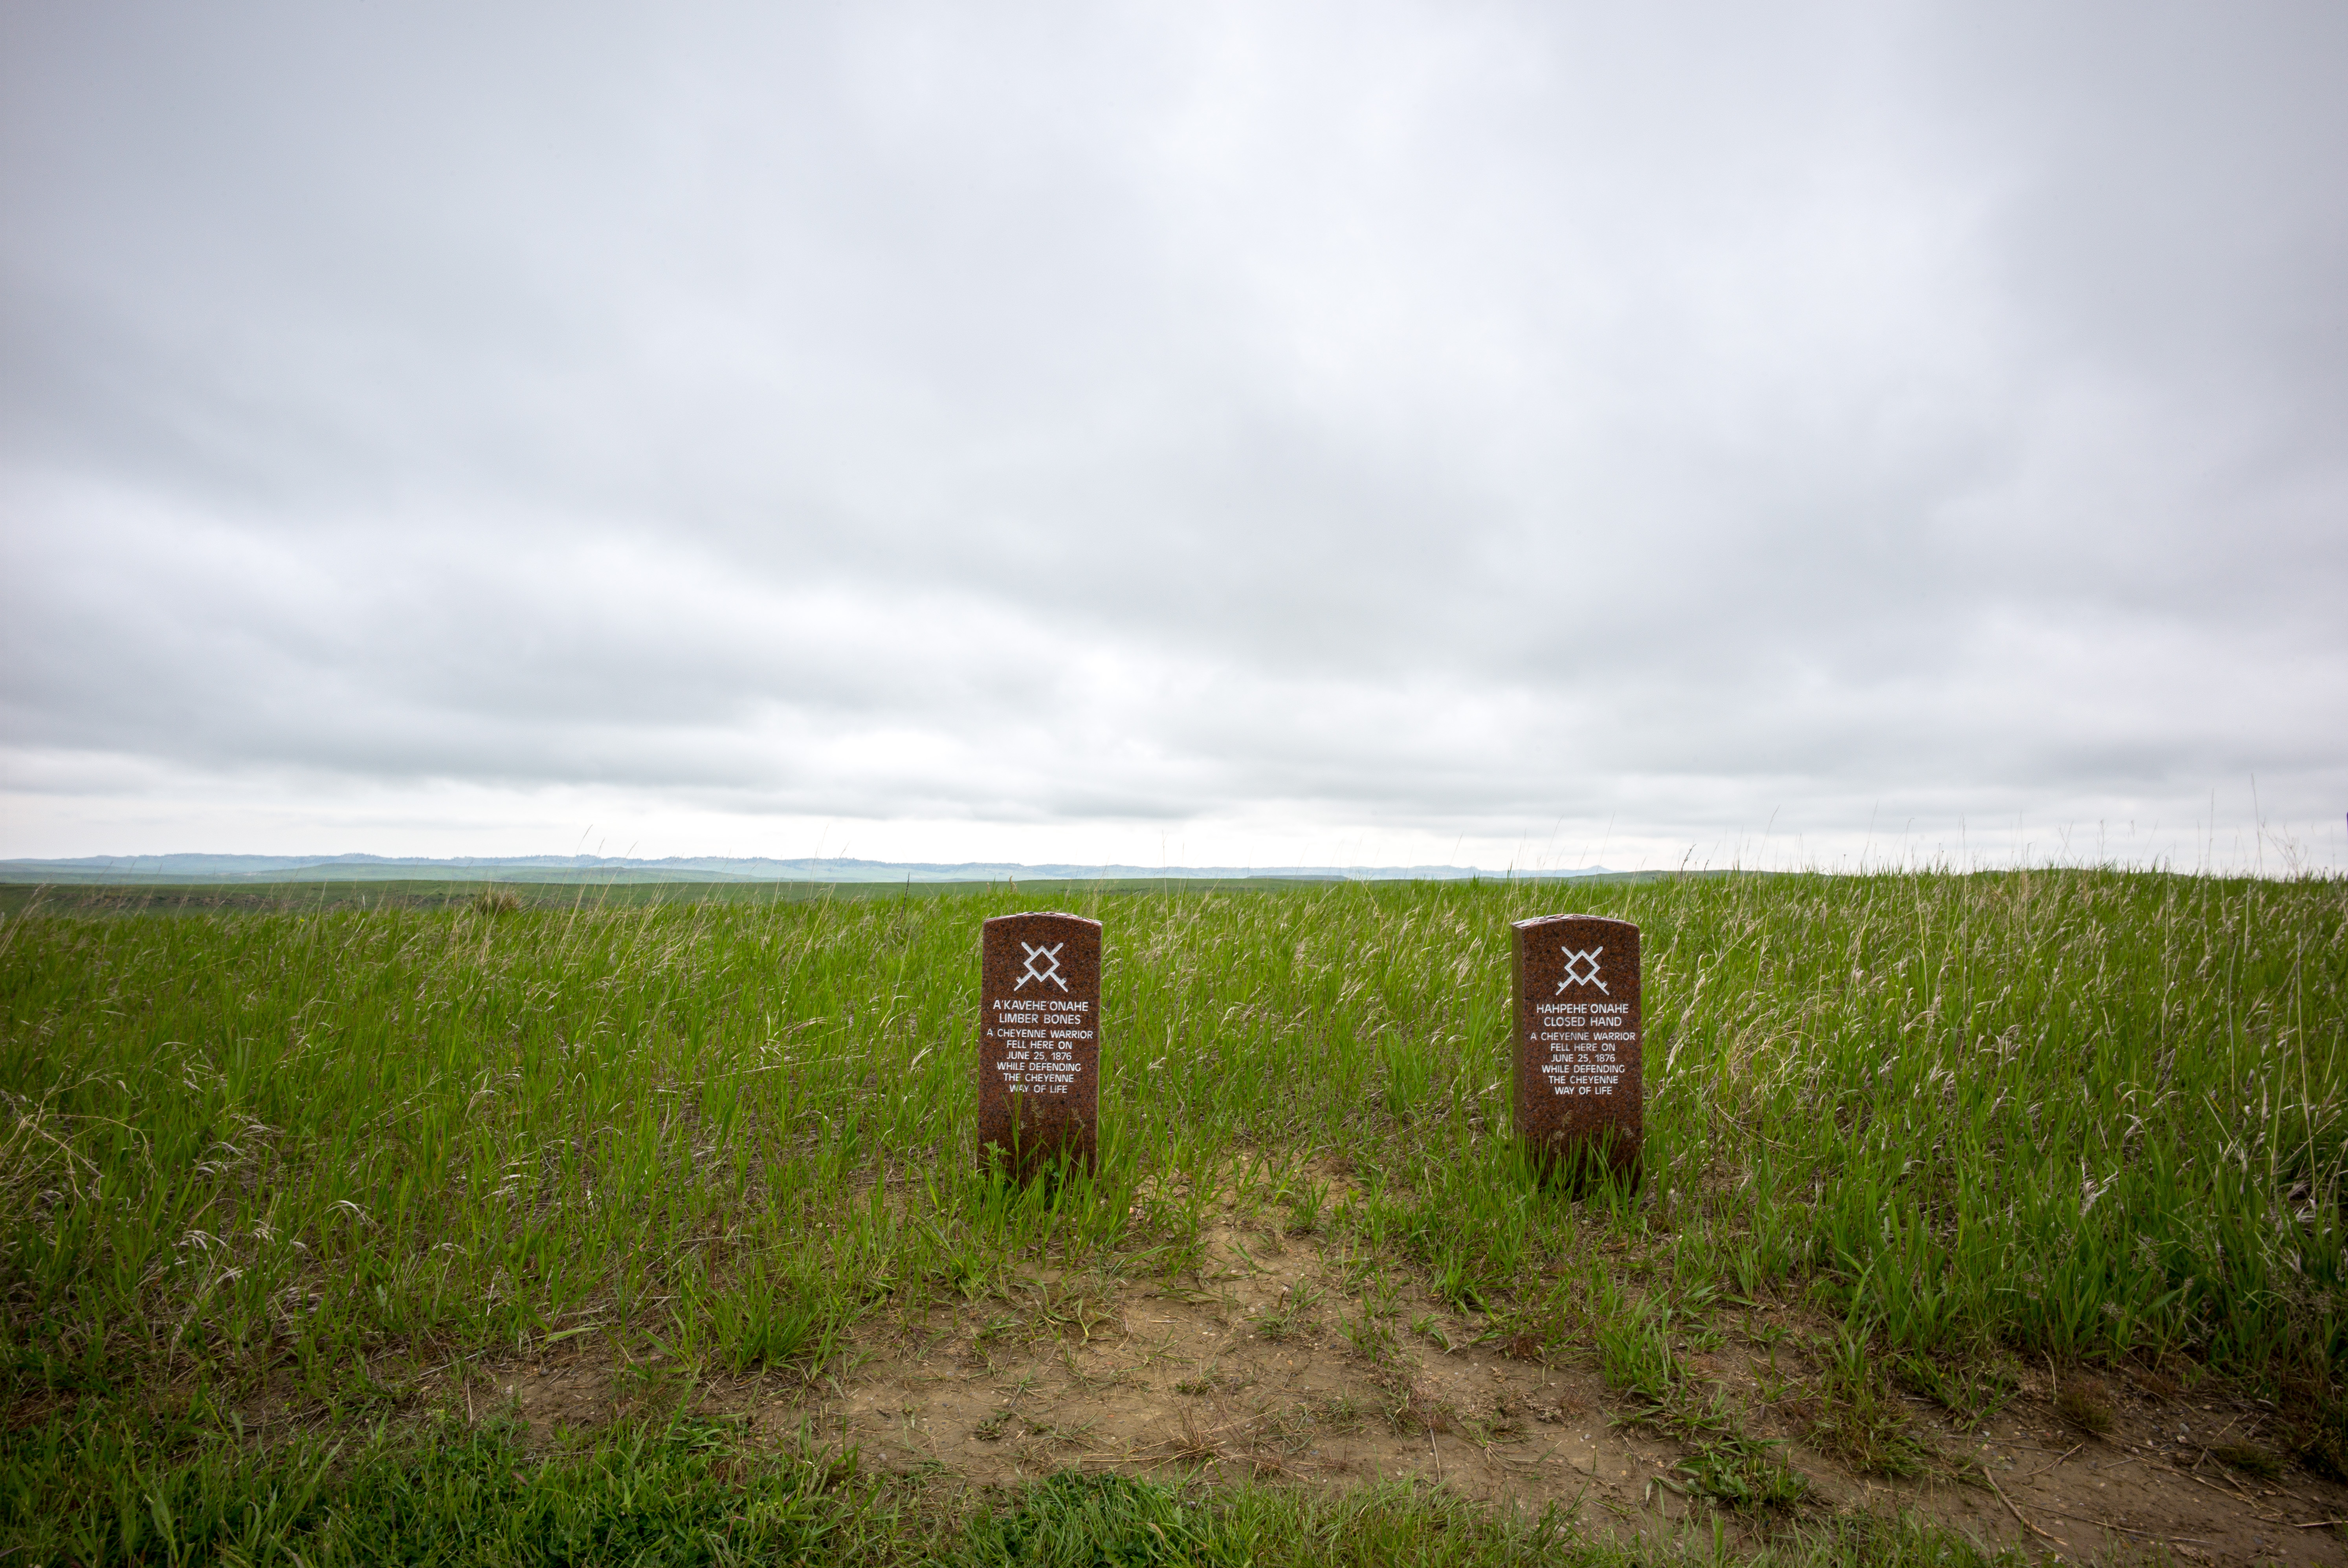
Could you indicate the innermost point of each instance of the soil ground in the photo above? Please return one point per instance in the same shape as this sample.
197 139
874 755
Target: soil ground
1247 1372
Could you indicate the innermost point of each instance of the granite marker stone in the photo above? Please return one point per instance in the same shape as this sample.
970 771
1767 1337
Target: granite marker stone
1579 1104
1038 1042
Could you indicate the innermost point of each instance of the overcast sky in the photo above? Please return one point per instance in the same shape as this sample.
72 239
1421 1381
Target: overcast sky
1256 433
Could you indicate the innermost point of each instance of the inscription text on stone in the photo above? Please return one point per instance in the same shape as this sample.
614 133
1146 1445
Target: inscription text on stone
1582 1045
1038 1039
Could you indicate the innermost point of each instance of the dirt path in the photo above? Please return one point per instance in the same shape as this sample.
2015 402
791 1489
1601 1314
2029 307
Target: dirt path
1266 1367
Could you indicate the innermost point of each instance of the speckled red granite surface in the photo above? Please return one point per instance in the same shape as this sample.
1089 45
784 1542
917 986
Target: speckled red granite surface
1578 1095
1039 1040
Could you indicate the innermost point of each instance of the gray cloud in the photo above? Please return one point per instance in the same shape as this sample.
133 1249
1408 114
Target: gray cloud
1437 423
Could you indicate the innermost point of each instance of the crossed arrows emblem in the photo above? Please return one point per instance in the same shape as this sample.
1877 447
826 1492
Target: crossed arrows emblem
1051 970
1580 969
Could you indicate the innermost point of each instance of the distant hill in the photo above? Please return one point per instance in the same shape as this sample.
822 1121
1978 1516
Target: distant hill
166 868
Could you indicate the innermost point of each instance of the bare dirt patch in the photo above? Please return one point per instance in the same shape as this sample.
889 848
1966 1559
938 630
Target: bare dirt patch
1271 1362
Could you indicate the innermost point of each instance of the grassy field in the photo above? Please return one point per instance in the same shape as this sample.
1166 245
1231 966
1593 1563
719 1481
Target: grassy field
95 895
263 1171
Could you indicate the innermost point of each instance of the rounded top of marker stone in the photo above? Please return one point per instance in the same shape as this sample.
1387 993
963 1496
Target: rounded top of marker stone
1044 915
1555 919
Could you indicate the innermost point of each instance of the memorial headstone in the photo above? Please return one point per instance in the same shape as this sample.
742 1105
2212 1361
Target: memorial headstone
1038 1042
1579 1099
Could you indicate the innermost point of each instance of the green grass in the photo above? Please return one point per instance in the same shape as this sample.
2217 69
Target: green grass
601 891
684 1494
2089 1116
